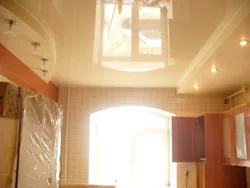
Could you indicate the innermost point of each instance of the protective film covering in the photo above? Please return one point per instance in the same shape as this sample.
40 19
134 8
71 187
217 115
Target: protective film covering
11 102
39 162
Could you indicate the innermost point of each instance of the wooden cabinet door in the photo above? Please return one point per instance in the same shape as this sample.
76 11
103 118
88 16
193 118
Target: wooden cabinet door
240 132
183 139
200 137
247 122
228 139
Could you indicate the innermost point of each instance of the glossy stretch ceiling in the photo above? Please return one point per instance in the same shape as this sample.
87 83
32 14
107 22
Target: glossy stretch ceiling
202 34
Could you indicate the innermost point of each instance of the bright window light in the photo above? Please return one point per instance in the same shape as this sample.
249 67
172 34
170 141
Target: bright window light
130 147
137 40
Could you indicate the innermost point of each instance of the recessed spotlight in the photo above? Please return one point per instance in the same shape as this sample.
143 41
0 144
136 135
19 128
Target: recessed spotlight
243 43
196 86
213 70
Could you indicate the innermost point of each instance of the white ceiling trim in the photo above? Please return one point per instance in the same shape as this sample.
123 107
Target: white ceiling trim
233 19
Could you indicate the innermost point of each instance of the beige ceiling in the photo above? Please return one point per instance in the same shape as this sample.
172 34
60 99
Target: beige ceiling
203 33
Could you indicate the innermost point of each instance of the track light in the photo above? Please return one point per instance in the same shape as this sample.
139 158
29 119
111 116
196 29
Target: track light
34 51
44 65
11 27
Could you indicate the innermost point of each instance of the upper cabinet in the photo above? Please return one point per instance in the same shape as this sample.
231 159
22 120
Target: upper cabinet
196 138
240 124
188 142
183 139
200 137
236 134
228 138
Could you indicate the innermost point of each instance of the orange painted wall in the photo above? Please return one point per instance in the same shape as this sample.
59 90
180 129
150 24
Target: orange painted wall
16 71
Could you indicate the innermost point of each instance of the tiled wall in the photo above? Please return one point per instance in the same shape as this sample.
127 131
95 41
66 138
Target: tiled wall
8 149
181 175
79 103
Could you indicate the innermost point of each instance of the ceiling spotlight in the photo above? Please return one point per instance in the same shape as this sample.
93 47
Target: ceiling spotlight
44 72
12 24
196 86
44 66
214 70
243 43
34 51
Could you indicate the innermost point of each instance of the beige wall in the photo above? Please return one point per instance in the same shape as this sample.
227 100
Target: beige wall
8 148
81 102
181 175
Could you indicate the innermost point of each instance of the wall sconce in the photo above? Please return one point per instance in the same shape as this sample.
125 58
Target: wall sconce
34 51
11 28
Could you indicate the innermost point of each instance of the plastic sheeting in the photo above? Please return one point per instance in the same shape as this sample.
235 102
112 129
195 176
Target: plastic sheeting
11 102
39 157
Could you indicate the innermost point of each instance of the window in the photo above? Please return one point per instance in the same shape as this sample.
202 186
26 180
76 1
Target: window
135 40
130 148
150 158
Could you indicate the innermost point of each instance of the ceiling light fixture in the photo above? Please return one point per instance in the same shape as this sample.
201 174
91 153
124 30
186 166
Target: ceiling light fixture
12 24
196 86
214 70
44 73
243 43
44 66
34 51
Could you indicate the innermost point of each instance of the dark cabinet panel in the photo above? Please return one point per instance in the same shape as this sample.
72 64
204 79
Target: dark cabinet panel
183 139
213 166
200 137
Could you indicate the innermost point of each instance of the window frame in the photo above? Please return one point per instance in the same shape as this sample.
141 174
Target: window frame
136 56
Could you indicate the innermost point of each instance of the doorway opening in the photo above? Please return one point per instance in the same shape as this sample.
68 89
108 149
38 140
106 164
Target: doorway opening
131 147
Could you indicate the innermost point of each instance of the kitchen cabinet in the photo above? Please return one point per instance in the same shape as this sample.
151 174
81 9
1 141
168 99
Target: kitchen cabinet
188 139
247 127
228 139
200 138
183 139
193 138
240 125
236 134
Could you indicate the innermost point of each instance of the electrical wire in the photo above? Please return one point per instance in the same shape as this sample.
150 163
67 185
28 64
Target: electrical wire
187 175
